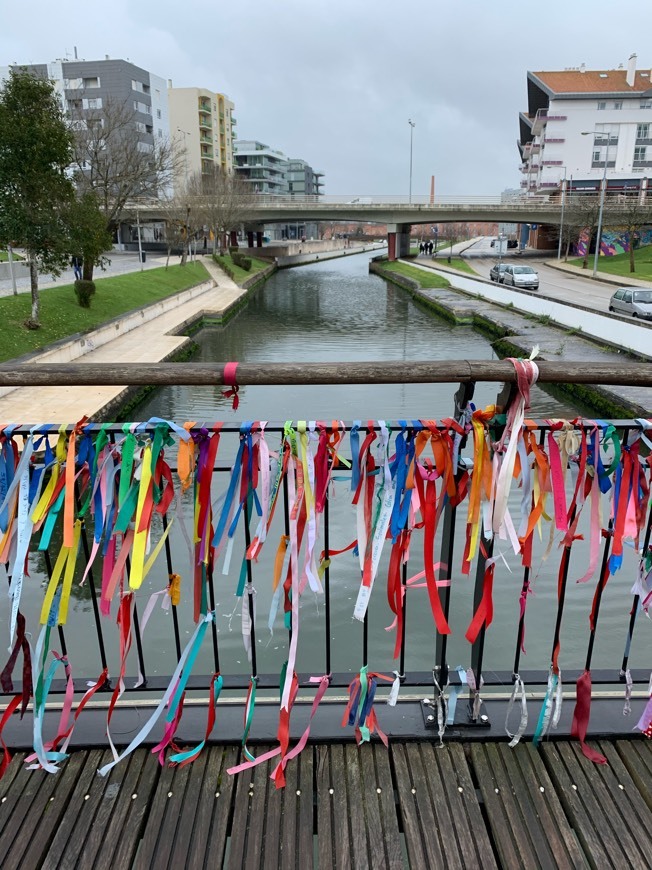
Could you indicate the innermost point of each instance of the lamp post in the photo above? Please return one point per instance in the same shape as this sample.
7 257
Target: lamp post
561 222
412 126
603 190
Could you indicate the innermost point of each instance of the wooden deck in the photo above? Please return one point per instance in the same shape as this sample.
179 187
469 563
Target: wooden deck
480 805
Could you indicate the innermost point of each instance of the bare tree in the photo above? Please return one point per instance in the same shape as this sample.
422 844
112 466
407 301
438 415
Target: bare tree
113 162
182 221
582 214
220 201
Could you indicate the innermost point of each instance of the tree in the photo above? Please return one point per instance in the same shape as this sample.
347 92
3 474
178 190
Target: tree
220 201
35 191
89 237
112 162
582 214
182 222
633 212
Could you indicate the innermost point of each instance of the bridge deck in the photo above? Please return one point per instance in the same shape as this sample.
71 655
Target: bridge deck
415 806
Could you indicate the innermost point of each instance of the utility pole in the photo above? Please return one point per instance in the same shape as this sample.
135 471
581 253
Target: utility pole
10 257
412 126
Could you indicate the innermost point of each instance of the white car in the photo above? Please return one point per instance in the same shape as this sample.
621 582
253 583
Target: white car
523 277
636 301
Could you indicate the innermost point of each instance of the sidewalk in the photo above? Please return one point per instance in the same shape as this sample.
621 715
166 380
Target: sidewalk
152 342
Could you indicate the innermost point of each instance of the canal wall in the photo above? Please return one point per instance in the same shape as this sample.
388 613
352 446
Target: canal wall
302 259
515 334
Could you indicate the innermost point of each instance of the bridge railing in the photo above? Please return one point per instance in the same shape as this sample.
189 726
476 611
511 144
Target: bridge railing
279 507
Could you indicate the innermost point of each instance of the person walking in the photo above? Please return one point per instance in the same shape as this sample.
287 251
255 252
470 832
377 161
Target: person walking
77 268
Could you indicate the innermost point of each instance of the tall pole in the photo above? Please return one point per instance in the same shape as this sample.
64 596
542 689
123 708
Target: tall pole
599 233
140 246
10 257
412 126
561 222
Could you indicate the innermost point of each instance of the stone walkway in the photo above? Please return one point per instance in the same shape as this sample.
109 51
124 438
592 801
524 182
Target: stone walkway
149 343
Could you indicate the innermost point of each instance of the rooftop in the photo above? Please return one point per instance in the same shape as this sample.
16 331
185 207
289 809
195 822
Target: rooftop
577 81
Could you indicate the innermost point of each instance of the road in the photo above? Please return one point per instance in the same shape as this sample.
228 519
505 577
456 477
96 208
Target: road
552 283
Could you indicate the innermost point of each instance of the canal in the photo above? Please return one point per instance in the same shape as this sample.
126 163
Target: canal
337 311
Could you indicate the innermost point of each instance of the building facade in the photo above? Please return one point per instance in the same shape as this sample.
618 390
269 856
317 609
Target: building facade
203 124
585 126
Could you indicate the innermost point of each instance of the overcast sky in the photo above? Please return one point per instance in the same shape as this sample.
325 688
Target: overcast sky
335 81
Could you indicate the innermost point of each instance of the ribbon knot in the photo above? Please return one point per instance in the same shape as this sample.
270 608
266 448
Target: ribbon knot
229 379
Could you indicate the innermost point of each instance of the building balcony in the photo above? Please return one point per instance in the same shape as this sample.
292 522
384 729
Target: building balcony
599 164
551 140
541 119
205 123
647 141
204 105
641 164
552 162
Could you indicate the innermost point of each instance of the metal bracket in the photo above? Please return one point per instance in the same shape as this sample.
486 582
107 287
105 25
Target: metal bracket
429 713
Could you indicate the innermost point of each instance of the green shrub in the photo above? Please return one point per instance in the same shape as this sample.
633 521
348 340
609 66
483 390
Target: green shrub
233 249
245 263
84 290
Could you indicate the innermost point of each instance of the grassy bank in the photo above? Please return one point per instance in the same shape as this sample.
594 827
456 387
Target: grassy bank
427 280
619 264
236 272
62 316
4 257
459 264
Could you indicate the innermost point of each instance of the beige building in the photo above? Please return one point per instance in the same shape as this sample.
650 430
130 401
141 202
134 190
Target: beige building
203 124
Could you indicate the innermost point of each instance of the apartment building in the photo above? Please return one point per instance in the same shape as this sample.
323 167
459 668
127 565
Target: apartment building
203 123
91 85
585 126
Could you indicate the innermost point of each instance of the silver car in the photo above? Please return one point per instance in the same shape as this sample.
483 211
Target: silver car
523 277
636 301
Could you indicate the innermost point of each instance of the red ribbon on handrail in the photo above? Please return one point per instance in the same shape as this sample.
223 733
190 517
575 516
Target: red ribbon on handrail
229 380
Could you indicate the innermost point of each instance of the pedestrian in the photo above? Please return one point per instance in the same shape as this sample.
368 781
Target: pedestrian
77 268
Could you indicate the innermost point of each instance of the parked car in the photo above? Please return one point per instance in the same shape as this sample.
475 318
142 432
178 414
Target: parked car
636 301
512 243
523 277
497 272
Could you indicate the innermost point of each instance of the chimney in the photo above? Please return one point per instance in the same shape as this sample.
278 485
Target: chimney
169 83
631 70
583 68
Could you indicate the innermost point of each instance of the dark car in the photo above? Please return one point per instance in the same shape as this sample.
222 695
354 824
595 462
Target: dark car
498 272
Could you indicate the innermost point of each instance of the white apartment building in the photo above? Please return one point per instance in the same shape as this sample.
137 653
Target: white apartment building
203 124
583 126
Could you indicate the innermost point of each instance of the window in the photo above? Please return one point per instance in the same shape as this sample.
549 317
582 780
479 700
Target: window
95 103
602 106
158 113
646 104
597 156
618 104
606 134
639 154
628 296
642 131
73 84
160 134
619 294
93 82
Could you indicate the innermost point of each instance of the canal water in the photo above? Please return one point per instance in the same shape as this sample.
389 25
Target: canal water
337 311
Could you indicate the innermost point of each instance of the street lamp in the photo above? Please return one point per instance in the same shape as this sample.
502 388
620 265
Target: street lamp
561 222
603 190
412 126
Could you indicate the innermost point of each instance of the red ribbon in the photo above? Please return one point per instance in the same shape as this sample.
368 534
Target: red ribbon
581 716
229 380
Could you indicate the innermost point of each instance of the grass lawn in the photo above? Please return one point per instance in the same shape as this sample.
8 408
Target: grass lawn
4 257
61 315
240 274
619 264
459 264
427 280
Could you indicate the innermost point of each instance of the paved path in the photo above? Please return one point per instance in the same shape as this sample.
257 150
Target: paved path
151 342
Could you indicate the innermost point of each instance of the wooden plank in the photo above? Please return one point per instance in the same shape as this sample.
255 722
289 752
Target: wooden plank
638 812
563 839
117 791
381 823
288 838
208 846
419 827
273 813
497 811
356 806
637 758
445 824
126 826
258 782
325 821
187 816
240 819
156 818
35 834
387 805
341 831
581 807
15 766
305 815
75 817
13 809
532 805
468 825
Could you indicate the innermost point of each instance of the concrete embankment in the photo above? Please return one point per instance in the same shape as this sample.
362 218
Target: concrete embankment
515 334
302 253
144 336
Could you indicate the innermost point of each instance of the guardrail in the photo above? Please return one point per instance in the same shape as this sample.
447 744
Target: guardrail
264 504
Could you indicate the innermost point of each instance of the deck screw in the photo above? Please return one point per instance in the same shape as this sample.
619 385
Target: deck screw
414 791
4 799
217 794
298 791
251 794
460 789
497 790
621 786
169 794
574 786
86 797
430 719
541 789
134 796
330 790
378 790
